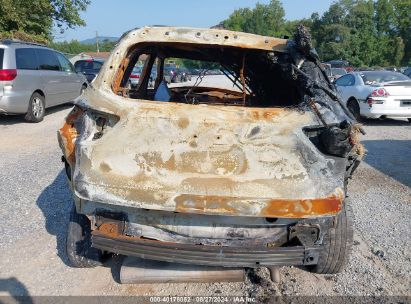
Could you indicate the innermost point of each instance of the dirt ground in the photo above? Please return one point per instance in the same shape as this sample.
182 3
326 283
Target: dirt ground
36 202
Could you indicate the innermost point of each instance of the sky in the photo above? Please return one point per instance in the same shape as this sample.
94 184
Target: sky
114 17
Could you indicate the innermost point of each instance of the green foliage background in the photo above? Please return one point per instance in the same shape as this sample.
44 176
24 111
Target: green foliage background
33 20
364 32
76 47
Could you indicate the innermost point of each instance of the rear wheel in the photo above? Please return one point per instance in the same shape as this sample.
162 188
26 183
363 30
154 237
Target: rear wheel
78 243
337 244
37 108
354 108
409 120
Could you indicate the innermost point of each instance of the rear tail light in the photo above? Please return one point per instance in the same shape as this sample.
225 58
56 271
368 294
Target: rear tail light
7 75
80 120
134 76
381 92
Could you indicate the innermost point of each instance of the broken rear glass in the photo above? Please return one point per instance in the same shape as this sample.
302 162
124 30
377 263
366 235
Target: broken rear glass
218 75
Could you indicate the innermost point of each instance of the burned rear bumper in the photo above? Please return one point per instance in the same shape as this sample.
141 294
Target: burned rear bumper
206 255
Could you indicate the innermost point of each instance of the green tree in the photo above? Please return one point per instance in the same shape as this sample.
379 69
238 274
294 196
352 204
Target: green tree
236 21
346 31
34 20
365 32
398 53
402 25
76 47
264 19
107 45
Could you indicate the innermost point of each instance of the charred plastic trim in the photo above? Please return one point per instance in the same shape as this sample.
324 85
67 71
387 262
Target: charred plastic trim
332 139
206 255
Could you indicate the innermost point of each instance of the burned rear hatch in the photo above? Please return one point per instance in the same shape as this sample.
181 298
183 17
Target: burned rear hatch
248 158
210 159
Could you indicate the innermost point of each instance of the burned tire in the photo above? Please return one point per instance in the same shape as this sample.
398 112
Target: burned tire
337 244
354 108
36 109
78 242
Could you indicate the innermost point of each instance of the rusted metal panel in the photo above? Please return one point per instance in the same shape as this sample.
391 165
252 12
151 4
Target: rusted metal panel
245 161
120 73
277 208
67 135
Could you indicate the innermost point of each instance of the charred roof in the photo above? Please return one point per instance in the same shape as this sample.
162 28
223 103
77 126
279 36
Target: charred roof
204 36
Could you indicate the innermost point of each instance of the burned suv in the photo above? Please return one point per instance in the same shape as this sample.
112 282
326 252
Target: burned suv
246 171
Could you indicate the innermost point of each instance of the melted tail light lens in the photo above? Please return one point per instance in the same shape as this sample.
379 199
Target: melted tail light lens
103 122
67 135
76 121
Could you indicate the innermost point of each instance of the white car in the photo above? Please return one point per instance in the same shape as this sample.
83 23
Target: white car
376 94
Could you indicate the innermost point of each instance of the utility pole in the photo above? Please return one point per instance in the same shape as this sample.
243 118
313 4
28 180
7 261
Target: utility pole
98 51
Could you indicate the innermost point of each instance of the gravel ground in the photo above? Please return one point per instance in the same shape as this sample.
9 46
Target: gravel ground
36 201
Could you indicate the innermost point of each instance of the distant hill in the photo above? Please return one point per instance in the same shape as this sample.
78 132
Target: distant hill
100 39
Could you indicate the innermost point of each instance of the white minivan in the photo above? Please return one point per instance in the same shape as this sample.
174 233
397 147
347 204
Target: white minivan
33 78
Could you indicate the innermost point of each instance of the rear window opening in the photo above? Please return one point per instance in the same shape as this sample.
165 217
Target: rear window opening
207 74
88 65
377 77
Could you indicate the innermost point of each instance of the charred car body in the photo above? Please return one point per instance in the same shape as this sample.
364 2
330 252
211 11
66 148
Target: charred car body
249 177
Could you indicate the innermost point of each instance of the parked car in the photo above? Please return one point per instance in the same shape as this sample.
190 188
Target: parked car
184 75
212 176
171 74
407 72
333 73
214 72
33 78
344 64
89 67
195 72
376 94
135 76
337 72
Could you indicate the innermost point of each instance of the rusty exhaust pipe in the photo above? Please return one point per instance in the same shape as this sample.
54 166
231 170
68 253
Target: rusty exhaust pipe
140 271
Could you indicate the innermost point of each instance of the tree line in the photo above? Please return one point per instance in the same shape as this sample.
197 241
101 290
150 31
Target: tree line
76 47
364 32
